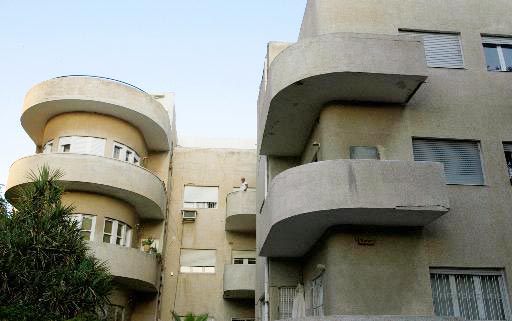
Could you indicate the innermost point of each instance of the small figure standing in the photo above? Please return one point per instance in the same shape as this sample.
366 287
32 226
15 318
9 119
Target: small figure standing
243 185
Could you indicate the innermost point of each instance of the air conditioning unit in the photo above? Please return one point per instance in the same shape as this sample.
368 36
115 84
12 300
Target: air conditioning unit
189 215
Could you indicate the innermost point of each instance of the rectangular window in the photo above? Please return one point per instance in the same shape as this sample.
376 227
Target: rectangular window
507 147
363 152
201 196
87 224
117 151
461 159
117 232
317 297
244 257
48 147
498 53
197 261
286 296
442 50
125 153
471 295
82 145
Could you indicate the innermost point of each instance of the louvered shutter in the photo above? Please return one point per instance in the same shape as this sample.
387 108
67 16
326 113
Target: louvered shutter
507 147
497 40
461 159
96 146
442 50
190 257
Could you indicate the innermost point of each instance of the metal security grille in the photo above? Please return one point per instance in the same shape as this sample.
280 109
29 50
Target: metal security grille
442 50
470 296
461 159
286 295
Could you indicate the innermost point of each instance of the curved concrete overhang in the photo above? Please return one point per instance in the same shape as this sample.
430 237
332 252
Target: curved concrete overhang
334 67
239 281
303 202
241 211
96 95
130 267
96 174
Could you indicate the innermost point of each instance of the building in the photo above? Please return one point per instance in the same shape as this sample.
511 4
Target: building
383 142
113 142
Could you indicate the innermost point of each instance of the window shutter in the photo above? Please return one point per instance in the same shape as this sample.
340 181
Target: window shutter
497 40
201 194
507 147
461 159
96 146
244 254
442 50
191 257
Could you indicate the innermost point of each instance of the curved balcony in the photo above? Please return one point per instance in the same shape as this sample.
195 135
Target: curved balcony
320 195
96 95
96 174
130 267
239 281
334 67
241 211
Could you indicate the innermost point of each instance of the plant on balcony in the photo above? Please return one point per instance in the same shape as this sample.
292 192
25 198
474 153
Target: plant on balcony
46 272
147 244
190 317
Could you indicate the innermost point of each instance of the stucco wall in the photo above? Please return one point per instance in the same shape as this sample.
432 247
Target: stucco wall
200 293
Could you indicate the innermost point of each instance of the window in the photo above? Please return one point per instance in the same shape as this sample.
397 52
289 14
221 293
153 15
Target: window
471 295
87 224
461 159
197 261
113 313
82 145
508 157
200 197
47 148
442 50
125 153
286 296
117 232
361 152
244 257
317 297
498 53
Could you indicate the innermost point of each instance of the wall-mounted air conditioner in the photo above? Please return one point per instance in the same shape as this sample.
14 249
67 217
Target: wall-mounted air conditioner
189 215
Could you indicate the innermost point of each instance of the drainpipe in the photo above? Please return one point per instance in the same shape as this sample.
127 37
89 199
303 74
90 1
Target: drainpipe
266 312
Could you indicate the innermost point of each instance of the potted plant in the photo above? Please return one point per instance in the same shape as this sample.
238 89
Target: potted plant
146 244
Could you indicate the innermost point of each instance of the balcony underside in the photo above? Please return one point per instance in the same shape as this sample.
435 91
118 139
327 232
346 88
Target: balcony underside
95 174
321 195
357 68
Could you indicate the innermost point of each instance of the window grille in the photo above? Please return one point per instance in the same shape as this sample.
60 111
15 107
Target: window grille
442 50
471 296
461 159
286 296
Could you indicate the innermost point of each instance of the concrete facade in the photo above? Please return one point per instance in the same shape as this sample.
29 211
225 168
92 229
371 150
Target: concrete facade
367 268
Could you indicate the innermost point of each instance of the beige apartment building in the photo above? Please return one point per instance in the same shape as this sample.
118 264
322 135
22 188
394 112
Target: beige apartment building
383 142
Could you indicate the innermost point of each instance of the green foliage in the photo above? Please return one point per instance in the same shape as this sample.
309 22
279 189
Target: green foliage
190 317
46 272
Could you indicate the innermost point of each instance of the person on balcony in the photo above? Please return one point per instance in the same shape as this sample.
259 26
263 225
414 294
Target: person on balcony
243 185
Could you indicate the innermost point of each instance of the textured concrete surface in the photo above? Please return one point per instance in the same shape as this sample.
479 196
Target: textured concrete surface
241 211
351 192
239 281
95 174
377 68
95 95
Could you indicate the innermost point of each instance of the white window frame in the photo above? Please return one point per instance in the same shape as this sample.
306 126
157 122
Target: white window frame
499 49
79 218
126 151
47 148
476 273
126 233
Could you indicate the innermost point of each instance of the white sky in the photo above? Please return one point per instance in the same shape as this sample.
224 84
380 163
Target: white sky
208 52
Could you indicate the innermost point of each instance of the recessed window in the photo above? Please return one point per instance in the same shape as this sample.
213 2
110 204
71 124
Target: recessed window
117 232
460 158
197 261
442 50
498 53
364 152
47 148
200 197
286 296
125 153
244 257
87 224
82 145
471 295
